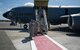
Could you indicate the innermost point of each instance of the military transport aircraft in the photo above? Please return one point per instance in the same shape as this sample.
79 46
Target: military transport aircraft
56 15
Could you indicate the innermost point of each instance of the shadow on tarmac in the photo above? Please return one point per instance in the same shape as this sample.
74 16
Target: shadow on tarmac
62 29
69 32
26 39
11 28
24 30
21 29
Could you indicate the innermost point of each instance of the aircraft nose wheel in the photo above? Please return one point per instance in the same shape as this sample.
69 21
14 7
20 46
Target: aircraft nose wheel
25 26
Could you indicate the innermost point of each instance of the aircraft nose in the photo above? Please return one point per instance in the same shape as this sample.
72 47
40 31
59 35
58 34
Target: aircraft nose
6 14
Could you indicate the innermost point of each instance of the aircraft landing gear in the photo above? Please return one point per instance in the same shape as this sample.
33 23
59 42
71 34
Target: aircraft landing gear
13 23
25 26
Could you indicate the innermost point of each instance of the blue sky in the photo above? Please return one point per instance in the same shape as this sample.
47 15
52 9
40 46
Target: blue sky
5 5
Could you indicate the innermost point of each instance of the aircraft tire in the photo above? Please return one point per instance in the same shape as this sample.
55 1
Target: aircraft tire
25 26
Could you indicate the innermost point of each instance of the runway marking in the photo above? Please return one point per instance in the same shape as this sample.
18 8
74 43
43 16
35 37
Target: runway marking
45 43
33 46
63 48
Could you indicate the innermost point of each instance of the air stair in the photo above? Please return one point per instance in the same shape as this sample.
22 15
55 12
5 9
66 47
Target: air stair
39 29
41 13
40 25
42 19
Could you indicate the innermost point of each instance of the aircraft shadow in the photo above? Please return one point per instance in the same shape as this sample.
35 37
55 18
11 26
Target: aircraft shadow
24 30
62 29
75 33
13 29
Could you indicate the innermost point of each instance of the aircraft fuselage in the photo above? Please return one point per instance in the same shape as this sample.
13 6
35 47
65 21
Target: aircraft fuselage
24 14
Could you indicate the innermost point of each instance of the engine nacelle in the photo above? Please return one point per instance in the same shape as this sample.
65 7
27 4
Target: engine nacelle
74 21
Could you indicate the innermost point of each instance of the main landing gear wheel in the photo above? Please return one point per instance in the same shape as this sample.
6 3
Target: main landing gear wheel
25 26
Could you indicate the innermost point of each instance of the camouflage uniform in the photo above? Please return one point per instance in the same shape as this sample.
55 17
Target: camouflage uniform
33 28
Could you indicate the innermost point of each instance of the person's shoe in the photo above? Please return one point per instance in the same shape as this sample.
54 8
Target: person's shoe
30 38
45 33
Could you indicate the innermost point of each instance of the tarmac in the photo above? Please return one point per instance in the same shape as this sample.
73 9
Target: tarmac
16 38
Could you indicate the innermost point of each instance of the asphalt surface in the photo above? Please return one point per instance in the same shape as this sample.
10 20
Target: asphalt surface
16 38
13 37
65 36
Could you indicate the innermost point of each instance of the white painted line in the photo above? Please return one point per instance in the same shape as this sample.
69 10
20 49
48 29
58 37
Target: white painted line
33 46
63 48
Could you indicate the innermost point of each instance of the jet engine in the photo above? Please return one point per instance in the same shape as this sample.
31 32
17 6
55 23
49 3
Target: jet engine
74 21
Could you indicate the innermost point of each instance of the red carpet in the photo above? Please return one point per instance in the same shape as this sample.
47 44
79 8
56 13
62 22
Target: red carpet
43 43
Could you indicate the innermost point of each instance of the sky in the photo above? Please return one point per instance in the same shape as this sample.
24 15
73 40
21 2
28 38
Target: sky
6 5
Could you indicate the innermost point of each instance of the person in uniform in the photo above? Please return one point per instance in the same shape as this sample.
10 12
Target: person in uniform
33 28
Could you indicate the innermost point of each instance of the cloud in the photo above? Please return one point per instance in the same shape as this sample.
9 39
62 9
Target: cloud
29 4
9 9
